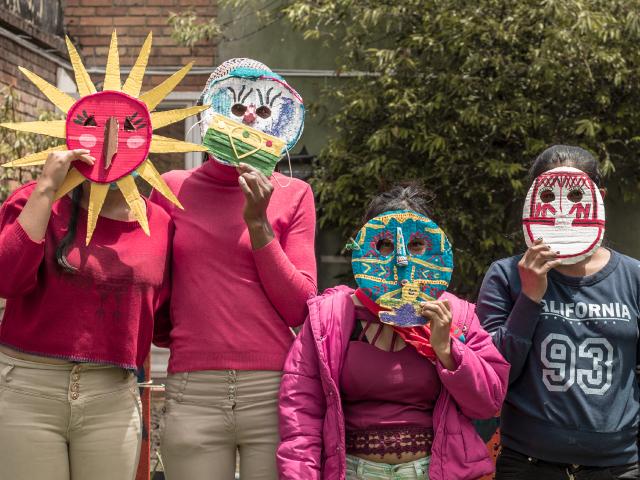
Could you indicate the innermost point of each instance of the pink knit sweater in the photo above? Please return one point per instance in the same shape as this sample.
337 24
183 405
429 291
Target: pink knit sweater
231 306
104 312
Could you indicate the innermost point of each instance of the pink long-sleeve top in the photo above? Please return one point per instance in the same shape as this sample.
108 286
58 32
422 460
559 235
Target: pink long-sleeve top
231 306
104 312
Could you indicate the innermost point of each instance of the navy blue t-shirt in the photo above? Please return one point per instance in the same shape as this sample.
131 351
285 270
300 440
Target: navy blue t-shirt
573 395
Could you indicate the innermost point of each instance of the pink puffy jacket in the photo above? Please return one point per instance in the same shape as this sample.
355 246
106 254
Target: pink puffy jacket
311 418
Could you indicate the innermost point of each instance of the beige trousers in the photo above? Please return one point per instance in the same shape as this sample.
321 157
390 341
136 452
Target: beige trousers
212 414
67 422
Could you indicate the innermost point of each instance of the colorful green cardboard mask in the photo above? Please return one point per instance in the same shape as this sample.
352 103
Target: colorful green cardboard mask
401 280
234 142
264 115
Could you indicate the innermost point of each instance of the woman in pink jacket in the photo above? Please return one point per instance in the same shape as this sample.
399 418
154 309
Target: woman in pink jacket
363 399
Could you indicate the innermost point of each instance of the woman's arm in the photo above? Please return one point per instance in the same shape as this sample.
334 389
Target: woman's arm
302 408
162 321
24 218
287 268
513 324
35 215
478 383
20 256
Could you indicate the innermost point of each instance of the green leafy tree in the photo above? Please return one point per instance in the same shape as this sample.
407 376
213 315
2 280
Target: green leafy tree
15 145
462 95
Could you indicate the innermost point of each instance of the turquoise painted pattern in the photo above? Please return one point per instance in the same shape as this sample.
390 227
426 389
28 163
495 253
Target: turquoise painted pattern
359 469
380 275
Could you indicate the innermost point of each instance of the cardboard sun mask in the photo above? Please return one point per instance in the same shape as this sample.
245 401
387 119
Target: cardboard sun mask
401 280
255 116
116 126
564 208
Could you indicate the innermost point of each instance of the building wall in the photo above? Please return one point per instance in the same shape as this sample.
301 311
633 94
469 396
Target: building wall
90 22
19 27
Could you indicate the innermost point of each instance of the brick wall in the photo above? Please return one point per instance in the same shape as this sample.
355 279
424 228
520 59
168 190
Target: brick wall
90 22
15 55
32 102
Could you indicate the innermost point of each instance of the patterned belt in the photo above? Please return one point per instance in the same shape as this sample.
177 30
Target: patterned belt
383 441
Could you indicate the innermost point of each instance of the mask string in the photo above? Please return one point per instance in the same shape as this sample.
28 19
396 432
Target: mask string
290 172
193 126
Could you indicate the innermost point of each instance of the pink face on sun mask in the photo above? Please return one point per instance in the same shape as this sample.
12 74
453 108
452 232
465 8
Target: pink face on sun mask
564 208
115 128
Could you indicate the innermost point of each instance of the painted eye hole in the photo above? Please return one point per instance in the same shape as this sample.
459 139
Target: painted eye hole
85 120
547 196
385 246
238 109
132 123
263 111
575 195
417 246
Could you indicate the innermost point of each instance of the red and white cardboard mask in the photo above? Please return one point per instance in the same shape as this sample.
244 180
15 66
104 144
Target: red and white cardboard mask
564 208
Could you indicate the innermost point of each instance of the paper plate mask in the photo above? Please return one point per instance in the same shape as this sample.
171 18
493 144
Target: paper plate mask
401 280
564 208
116 126
255 116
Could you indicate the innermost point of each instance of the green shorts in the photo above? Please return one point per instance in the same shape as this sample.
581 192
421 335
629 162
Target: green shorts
359 469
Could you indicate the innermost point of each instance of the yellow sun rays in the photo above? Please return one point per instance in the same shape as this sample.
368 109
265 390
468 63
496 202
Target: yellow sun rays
112 71
83 80
71 181
152 176
129 189
37 158
132 87
52 128
98 194
133 83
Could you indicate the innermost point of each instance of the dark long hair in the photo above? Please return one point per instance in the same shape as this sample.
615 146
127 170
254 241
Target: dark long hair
404 196
63 247
566 156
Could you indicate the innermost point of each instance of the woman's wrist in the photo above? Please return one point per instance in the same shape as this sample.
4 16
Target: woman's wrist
260 232
443 352
257 223
45 186
444 349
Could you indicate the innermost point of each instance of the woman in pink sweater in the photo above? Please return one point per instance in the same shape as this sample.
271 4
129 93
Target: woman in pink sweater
243 269
78 323
362 399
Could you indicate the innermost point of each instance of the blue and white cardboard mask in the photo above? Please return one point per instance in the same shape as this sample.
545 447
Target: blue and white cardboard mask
402 279
249 93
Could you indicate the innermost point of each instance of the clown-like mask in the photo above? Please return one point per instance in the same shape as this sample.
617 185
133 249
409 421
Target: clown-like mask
260 103
401 258
564 208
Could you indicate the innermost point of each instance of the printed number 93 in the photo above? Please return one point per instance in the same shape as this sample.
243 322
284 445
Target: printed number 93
560 355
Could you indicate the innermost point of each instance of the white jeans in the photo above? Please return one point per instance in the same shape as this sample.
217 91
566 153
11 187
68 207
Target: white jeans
359 469
212 414
68 422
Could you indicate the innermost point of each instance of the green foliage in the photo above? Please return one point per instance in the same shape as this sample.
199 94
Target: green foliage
15 145
463 95
187 30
